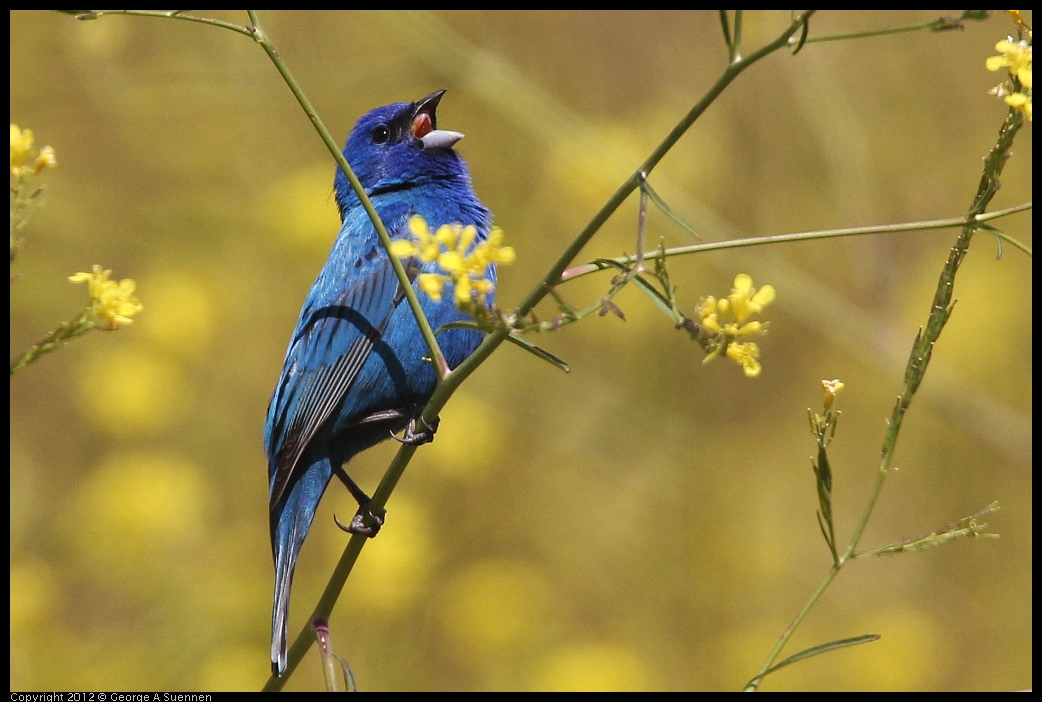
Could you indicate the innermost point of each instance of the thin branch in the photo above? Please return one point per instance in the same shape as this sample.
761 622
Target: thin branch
261 37
948 223
941 24
163 14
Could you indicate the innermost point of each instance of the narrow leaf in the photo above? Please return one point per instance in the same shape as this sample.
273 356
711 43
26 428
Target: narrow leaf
349 677
660 203
657 297
541 353
815 650
828 539
461 324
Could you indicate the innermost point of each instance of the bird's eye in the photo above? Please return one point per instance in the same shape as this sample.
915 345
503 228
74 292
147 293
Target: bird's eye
381 134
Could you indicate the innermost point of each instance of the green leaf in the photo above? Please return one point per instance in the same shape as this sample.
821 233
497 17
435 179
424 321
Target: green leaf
461 324
660 300
603 263
815 650
349 677
541 353
660 203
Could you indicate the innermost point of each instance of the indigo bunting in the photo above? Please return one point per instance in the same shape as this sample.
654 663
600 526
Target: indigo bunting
355 370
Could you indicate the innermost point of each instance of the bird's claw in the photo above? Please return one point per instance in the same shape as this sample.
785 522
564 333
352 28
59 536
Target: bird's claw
418 431
358 522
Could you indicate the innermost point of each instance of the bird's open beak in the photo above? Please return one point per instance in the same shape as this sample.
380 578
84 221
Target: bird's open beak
425 123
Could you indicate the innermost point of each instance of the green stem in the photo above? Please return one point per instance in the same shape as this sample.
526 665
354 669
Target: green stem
165 14
68 330
796 621
325 651
17 215
870 33
736 46
553 276
948 223
725 26
937 25
256 32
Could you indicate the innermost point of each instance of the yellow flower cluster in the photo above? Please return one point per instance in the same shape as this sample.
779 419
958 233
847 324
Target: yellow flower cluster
22 153
1016 57
114 303
464 263
726 320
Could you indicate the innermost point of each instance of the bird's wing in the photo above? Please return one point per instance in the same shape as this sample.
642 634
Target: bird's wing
332 342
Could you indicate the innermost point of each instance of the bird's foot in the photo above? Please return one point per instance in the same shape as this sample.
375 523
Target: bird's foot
365 522
418 431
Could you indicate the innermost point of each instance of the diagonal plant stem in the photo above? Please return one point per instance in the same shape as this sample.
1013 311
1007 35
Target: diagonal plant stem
918 360
553 277
256 31
68 330
261 37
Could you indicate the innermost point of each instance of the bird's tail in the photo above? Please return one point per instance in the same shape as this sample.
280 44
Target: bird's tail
284 564
289 526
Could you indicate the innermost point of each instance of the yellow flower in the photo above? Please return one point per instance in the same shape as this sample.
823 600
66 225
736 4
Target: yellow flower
21 146
726 319
746 300
832 388
452 262
1021 102
464 263
21 151
462 290
1016 58
491 250
707 307
46 159
403 248
746 356
446 235
432 284
113 303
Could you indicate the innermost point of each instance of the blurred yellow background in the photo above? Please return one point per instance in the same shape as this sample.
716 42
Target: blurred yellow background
645 522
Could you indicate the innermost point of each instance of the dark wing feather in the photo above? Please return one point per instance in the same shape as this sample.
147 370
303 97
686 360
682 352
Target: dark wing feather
329 348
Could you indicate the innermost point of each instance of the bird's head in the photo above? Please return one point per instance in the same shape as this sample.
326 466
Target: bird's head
398 146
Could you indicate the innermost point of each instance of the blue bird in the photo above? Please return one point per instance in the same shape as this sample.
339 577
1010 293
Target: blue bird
355 370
